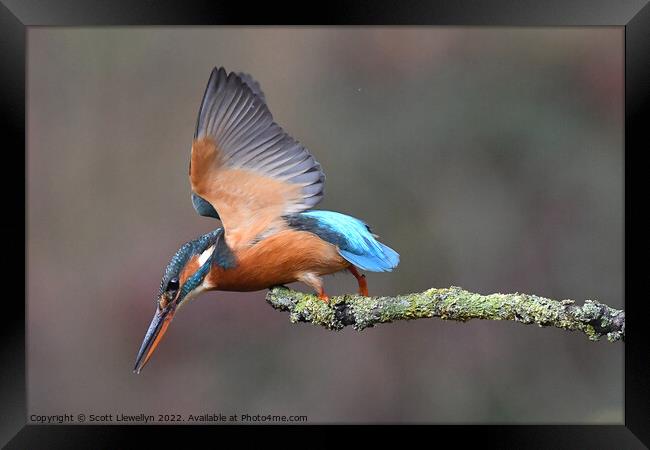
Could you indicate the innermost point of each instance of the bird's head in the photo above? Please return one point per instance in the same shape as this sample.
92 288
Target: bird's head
182 281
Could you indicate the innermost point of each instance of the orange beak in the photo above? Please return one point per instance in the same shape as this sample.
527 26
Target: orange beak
157 329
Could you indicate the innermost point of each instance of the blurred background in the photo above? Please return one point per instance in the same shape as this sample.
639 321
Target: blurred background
489 158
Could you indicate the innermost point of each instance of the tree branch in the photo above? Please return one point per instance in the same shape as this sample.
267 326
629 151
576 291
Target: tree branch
593 318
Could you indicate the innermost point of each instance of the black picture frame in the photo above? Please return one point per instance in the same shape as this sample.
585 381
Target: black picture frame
17 15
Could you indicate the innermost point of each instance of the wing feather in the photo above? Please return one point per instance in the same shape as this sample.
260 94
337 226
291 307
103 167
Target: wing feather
243 163
253 85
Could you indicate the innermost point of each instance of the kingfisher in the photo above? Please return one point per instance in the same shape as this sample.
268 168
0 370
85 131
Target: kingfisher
262 185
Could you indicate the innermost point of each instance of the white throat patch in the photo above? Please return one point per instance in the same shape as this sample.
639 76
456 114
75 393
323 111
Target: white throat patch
205 255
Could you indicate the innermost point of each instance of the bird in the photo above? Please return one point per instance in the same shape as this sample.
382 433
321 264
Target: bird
262 185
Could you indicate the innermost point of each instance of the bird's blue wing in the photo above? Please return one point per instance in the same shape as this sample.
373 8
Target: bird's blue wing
353 237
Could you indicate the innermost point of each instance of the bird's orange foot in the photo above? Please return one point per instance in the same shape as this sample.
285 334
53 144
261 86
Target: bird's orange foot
361 279
323 296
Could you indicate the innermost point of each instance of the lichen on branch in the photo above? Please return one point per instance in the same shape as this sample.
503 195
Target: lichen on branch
593 318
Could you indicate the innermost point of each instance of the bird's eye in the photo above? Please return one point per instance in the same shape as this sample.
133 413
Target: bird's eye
173 284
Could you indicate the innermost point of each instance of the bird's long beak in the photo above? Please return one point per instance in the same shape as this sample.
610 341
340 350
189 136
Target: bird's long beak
157 329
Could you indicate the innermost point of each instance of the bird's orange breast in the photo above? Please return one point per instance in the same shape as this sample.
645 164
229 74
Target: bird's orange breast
278 259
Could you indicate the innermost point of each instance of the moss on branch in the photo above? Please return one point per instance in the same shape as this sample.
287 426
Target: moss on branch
593 318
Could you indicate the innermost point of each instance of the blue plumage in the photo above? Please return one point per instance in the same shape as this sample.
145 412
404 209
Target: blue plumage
183 255
355 241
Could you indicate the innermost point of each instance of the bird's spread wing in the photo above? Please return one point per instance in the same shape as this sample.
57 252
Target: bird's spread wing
244 168
253 85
